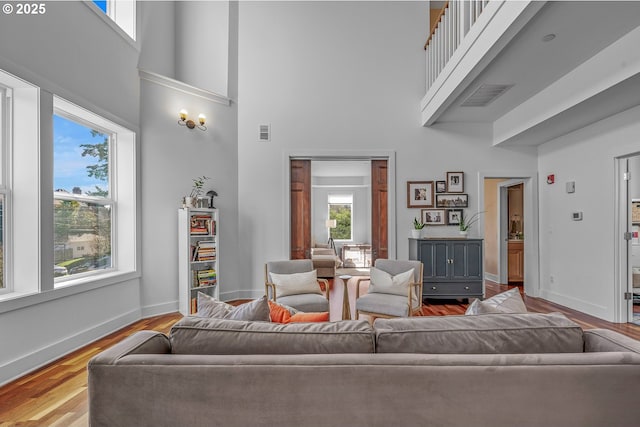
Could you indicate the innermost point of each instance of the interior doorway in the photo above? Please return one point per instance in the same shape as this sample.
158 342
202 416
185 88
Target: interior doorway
335 180
510 229
511 224
629 202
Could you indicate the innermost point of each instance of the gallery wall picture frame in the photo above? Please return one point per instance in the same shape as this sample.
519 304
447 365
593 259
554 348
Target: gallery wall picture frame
455 182
452 201
419 194
441 186
434 216
454 216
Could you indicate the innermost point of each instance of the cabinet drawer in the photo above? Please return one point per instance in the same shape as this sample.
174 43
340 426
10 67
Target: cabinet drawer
462 290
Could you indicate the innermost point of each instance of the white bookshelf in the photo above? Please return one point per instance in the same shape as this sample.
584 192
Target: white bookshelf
197 256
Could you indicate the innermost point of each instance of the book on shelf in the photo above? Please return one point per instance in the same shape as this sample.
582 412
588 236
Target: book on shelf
201 224
206 277
204 251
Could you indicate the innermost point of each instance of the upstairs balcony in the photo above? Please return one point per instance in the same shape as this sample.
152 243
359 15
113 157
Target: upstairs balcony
532 69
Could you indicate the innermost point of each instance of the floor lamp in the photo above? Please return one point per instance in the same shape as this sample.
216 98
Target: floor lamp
331 223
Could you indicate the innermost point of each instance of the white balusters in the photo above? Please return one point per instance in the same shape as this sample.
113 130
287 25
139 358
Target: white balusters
458 17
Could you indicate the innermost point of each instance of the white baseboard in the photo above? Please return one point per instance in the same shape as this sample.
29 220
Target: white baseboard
244 294
573 303
159 309
492 277
29 362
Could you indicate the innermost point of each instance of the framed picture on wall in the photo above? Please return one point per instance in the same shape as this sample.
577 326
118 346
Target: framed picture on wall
419 194
452 201
455 182
454 216
441 186
434 216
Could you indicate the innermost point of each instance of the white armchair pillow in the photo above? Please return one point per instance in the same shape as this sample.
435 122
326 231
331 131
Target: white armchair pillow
296 283
384 283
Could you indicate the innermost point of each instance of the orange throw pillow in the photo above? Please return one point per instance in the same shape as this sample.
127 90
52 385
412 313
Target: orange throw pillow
278 313
309 317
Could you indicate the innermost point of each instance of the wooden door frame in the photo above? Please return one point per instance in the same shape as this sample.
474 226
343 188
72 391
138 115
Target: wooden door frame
503 227
390 156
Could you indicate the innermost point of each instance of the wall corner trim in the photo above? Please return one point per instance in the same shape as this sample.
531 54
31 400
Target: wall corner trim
183 87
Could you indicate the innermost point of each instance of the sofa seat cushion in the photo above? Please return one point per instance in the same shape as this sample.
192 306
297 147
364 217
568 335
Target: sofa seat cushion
194 335
391 305
307 303
482 334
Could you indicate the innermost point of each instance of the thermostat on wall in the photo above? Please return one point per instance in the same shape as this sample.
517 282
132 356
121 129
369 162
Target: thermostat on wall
576 216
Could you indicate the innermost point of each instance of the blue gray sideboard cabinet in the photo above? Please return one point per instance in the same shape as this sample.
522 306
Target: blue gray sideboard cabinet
453 268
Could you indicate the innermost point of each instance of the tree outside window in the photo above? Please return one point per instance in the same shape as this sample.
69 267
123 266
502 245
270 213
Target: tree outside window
340 209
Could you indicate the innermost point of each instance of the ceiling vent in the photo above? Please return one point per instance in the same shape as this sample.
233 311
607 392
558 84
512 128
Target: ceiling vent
264 133
485 95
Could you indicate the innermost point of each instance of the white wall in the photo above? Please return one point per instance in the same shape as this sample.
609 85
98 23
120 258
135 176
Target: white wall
202 44
172 156
335 77
579 255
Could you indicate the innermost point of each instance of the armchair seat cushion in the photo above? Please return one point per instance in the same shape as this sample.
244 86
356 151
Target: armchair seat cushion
387 304
305 302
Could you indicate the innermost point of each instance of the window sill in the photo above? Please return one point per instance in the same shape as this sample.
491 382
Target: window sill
16 300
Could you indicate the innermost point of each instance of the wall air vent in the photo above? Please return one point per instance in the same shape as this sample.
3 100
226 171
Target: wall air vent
485 95
264 133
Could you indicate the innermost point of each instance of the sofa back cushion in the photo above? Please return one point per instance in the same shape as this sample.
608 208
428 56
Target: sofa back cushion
481 334
193 335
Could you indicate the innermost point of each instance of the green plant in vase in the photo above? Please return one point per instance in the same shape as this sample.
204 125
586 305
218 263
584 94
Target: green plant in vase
467 222
196 190
417 228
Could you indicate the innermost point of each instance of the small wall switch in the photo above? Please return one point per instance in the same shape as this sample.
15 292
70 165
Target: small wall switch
576 216
571 187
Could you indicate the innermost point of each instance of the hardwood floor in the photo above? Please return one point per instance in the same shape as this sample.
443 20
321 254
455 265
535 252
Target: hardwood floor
56 395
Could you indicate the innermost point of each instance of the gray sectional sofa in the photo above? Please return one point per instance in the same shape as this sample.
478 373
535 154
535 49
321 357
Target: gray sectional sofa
495 370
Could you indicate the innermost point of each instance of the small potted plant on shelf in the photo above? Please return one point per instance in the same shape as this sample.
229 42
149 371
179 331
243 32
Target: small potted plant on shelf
466 223
417 228
196 191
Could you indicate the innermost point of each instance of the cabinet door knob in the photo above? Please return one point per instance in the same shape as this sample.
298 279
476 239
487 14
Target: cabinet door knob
434 288
466 288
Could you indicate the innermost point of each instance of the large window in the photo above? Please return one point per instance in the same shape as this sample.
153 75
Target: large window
82 211
84 233
341 210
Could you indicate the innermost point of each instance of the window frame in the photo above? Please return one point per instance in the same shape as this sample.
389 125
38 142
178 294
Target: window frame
63 109
5 139
122 16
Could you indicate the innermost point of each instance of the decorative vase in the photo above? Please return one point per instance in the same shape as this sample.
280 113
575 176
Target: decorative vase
463 233
415 233
188 202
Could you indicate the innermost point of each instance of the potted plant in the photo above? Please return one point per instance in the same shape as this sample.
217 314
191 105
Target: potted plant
196 190
417 228
466 223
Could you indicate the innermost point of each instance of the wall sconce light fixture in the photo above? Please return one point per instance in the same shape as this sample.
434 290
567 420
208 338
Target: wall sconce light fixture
184 121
